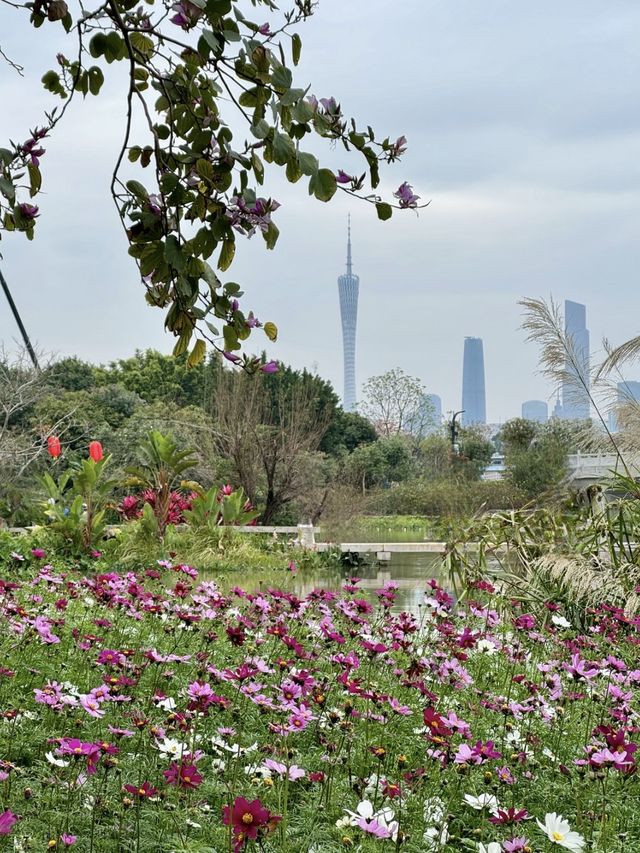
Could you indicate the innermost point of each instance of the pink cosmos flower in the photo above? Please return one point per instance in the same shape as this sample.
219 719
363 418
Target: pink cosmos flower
7 821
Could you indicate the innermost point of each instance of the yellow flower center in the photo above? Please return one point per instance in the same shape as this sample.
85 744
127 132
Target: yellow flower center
142 792
557 836
247 818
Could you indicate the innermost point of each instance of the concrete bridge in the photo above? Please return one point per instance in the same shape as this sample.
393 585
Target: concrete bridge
586 468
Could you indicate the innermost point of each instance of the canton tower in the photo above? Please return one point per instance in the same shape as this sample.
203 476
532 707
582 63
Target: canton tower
348 286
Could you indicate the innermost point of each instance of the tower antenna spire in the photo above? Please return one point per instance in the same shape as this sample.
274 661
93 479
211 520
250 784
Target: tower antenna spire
349 268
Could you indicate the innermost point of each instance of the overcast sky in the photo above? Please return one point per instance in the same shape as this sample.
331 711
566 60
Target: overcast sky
524 133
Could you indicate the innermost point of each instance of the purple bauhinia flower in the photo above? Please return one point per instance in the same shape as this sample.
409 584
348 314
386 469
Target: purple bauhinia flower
406 196
29 211
343 178
270 367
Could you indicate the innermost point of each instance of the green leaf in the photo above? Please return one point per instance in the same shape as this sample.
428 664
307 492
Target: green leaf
230 338
258 167
182 344
142 44
173 253
213 41
6 156
296 48
271 331
271 235
308 163
197 354
323 185
96 79
97 45
7 189
284 149
35 179
138 190
385 211
281 79
226 254
293 171
261 129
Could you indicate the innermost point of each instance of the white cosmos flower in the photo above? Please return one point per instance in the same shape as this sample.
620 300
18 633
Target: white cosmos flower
484 801
560 621
57 762
234 748
172 748
168 704
435 837
491 847
487 647
559 831
363 810
434 810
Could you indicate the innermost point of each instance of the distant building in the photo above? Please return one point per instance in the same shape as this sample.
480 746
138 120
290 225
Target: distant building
473 391
535 410
575 396
557 409
627 392
348 288
436 407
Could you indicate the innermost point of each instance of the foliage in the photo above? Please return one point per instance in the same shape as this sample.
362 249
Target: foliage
536 454
77 503
380 463
220 508
189 77
475 452
396 403
445 498
161 468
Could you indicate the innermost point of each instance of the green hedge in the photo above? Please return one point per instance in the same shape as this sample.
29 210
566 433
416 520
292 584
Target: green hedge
445 498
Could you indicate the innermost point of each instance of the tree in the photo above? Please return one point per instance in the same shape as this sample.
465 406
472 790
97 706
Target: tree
269 441
537 464
475 453
396 403
346 432
381 463
201 188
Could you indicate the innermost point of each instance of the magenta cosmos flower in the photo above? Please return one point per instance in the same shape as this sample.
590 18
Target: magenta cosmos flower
247 819
7 821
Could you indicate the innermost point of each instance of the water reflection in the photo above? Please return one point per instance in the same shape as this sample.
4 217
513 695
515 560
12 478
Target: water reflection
410 571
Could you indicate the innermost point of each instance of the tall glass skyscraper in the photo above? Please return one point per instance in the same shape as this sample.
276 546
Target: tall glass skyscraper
575 397
535 410
627 393
473 393
348 287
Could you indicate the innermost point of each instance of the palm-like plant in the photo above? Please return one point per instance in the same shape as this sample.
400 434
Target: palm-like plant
161 469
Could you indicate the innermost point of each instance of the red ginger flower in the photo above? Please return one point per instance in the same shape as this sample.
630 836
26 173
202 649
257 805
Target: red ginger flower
95 451
53 446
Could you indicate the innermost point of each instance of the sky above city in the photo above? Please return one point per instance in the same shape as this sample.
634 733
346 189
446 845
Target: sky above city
523 135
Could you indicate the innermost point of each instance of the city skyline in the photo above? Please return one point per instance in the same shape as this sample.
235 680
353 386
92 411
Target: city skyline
348 290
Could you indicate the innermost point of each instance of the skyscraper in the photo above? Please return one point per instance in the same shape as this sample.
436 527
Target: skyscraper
436 402
535 410
348 287
575 397
473 393
627 392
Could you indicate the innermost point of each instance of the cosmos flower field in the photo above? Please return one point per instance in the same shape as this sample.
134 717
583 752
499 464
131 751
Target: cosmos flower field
153 711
